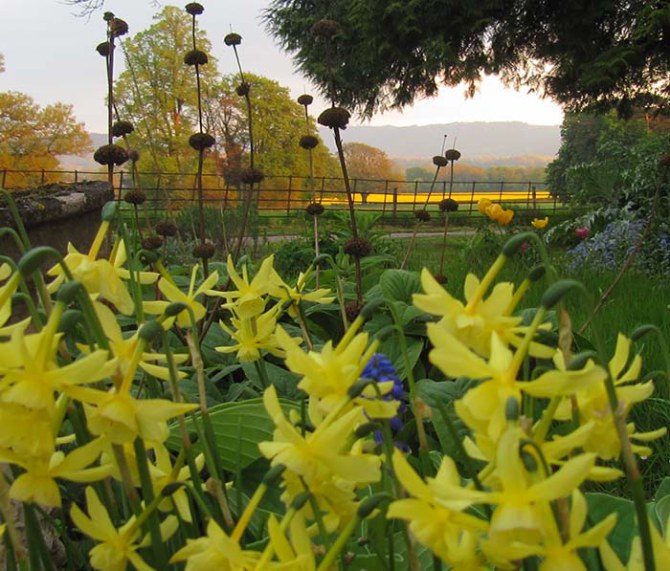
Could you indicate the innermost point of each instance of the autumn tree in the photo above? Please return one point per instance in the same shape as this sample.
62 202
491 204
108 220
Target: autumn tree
599 53
369 165
32 137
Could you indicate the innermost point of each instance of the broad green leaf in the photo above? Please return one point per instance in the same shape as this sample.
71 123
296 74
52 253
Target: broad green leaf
662 509
442 393
238 429
284 381
400 285
620 538
391 348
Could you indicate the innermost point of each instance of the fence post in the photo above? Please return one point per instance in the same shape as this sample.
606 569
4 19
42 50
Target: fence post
472 197
353 190
4 177
444 190
386 191
76 177
42 178
288 202
502 187
120 183
395 202
416 190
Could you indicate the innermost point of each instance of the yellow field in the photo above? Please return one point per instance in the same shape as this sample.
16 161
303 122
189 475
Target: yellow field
436 197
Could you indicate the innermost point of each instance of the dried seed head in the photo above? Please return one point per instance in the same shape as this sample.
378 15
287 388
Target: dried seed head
422 215
243 89
195 57
448 205
204 250
305 99
103 49
133 155
110 155
452 155
314 209
308 142
326 29
665 160
252 176
152 242
166 228
232 39
121 128
135 196
119 27
108 16
194 9
358 247
352 309
334 117
440 161
201 141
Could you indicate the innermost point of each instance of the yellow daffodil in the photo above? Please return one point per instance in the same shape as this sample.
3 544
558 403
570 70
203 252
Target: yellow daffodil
253 335
216 550
116 548
248 300
7 290
121 418
519 491
593 405
483 205
328 374
102 278
174 295
505 217
435 512
322 454
296 295
38 482
660 545
294 553
123 348
540 223
474 321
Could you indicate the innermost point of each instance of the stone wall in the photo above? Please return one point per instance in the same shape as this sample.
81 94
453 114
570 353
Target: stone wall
56 214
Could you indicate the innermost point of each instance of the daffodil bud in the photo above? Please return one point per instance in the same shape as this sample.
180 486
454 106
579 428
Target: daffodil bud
580 359
171 488
150 330
175 308
366 429
642 330
556 291
371 503
273 474
529 461
68 291
369 308
33 259
358 387
513 244
109 211
537 273
512 409
69 319
300 500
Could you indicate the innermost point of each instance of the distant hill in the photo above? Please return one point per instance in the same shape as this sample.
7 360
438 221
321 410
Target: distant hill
478 142
488 144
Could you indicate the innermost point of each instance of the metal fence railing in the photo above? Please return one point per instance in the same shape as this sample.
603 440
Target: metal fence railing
284 195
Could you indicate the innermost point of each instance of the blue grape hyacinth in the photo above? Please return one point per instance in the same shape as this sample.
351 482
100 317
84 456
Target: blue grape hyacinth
382 370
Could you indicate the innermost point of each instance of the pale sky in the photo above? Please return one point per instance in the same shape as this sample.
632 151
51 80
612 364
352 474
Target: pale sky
50 55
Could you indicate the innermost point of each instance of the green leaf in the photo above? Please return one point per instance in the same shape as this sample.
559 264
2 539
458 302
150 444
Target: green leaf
391 348
238 429
620 538
662 509
284 381
400 285
442 393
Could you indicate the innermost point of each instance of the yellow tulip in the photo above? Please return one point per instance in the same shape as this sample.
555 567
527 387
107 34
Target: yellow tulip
540 223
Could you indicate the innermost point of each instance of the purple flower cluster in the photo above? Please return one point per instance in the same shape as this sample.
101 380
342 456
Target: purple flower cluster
382 370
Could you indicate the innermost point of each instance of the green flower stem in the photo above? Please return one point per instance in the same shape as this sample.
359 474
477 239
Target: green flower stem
522 349
37 549
135 285
420 428
126 479
329 560
318 516
243 522
262 371
542 427
303 326
153 524
633 474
